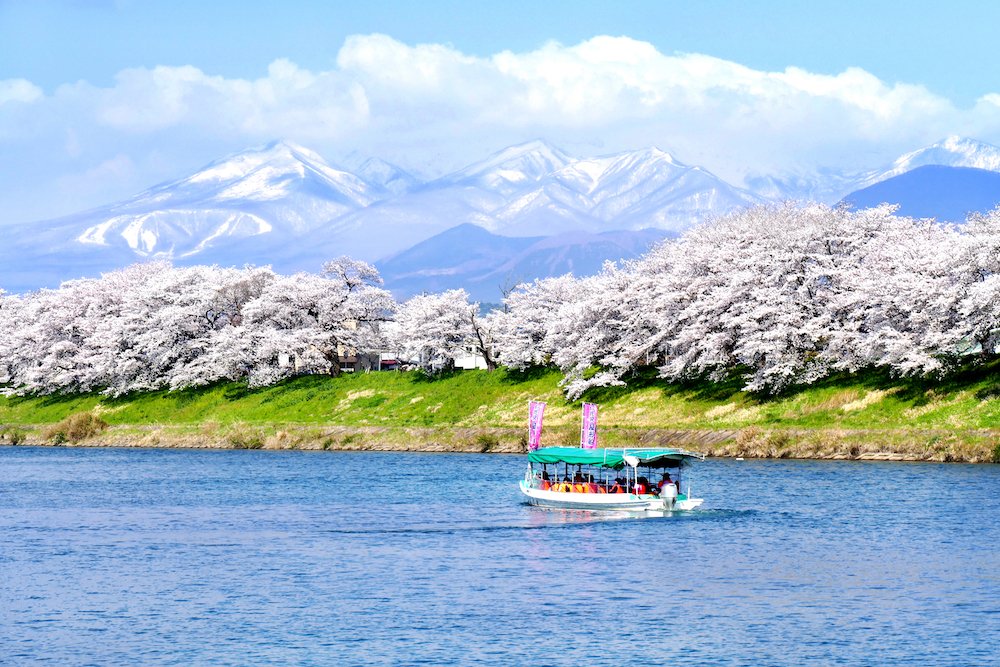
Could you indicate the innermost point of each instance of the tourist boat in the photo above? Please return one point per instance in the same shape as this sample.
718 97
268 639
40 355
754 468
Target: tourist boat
608 479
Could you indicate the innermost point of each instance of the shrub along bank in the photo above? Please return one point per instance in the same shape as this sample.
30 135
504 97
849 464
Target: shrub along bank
868 415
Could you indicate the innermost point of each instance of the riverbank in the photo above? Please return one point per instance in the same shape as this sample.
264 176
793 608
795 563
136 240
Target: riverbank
858 417
832 444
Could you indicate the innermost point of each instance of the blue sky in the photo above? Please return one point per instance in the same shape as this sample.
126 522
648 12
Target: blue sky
100 99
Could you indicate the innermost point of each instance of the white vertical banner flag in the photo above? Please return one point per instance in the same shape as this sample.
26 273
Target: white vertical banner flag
588 431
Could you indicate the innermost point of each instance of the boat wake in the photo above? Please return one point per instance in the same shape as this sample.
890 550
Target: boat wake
548 518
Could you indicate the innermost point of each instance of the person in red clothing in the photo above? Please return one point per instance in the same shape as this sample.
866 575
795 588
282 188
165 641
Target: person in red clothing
666 480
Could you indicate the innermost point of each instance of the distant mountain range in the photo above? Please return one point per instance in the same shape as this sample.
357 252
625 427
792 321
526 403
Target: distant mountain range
952 152
527 211
948 194
284 205
829 186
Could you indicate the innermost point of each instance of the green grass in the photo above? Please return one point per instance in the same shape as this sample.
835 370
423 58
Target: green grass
970 399
356 400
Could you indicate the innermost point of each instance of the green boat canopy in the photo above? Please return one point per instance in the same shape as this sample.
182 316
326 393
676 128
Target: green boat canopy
614 458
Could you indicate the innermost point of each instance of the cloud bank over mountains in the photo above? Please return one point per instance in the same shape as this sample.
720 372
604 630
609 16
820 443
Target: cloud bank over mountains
431 108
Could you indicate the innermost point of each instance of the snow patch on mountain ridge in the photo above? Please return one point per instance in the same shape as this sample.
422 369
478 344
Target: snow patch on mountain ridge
507 171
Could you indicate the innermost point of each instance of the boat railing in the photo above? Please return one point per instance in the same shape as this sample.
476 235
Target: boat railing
535 481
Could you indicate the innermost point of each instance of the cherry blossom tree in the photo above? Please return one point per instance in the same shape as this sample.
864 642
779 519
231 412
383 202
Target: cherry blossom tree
901 299
11 320
152 326
436 328
782 294
977 268
313 319
525 335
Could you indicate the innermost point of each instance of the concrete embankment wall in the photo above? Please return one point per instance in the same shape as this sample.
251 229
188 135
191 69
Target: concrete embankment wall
973 446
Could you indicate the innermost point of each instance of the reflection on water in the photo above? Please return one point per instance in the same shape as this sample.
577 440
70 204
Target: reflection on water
200 557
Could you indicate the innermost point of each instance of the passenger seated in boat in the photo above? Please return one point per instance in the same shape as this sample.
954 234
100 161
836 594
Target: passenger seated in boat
545 484
642 486
619 486
592 486
666 480
565 485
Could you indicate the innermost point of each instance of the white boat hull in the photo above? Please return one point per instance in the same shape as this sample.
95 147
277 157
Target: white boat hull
627 502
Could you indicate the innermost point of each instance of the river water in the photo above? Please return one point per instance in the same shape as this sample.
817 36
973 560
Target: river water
156 557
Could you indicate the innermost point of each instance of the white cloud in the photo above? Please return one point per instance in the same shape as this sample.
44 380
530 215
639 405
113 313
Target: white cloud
287 99
431 106
18 90
118 168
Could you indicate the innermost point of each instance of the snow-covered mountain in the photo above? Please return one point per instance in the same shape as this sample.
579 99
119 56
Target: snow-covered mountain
281 189
947 194
633 190
235 210
535 189
829 185
647 188
951 152
510 170
823 185
391 178
472 195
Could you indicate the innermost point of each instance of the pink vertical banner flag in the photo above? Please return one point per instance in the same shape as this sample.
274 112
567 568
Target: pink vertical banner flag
588 432
536 410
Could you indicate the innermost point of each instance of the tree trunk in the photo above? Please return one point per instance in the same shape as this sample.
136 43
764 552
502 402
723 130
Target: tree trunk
334 360
484 349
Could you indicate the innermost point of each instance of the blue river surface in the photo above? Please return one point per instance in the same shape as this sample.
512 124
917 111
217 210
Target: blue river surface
193 557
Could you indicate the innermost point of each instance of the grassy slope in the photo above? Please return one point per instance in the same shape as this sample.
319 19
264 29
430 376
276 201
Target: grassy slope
966 404
351 400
